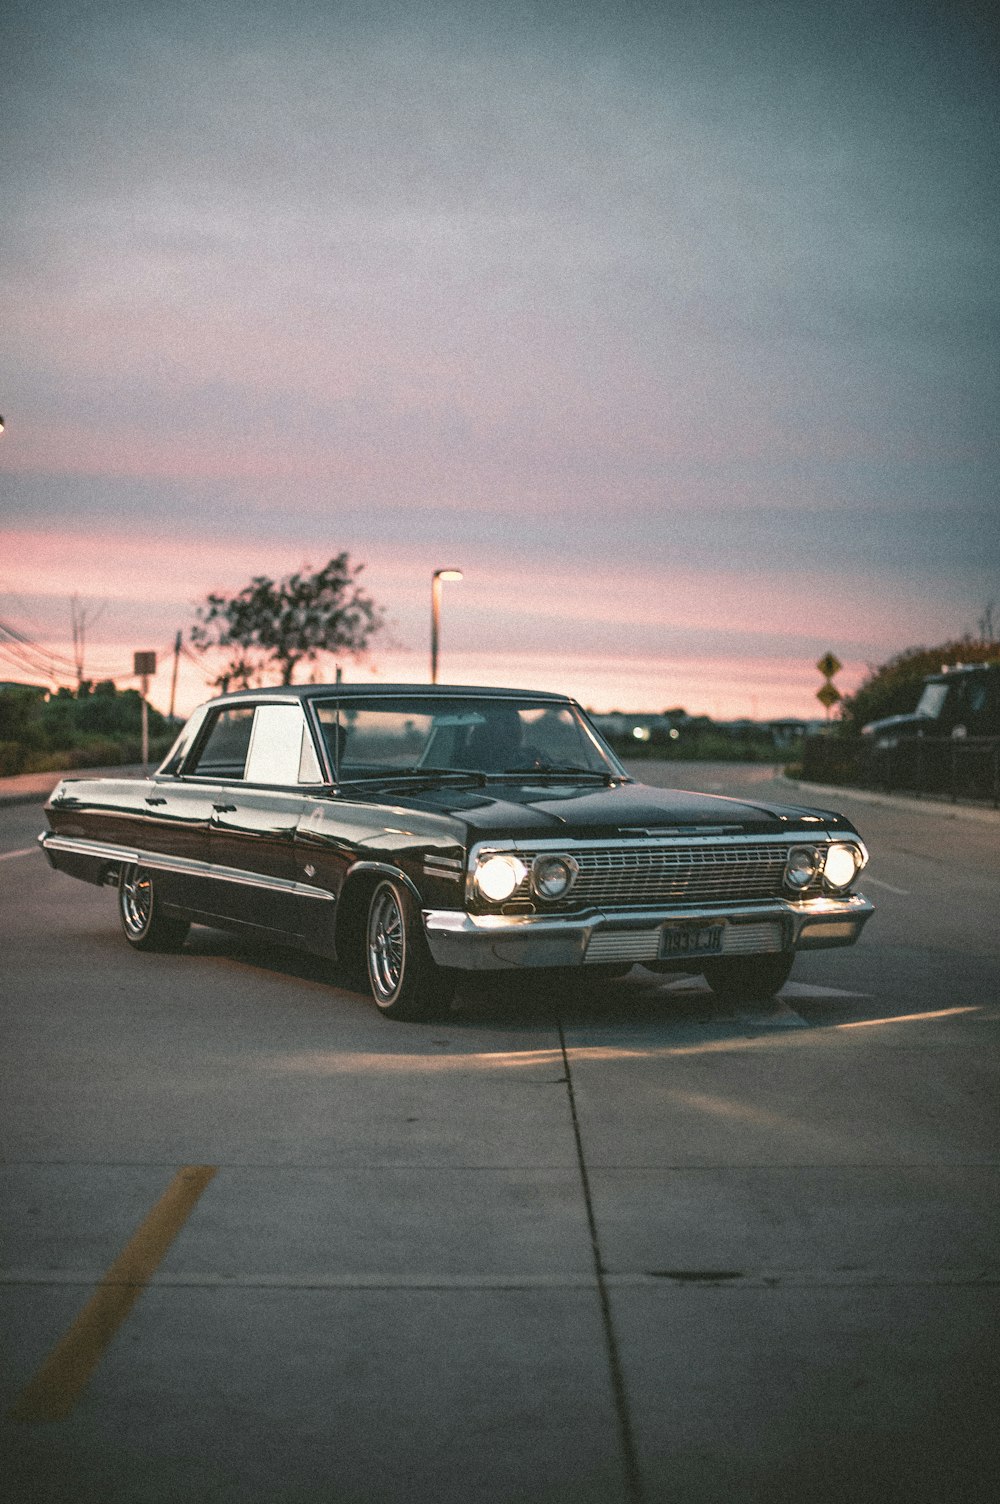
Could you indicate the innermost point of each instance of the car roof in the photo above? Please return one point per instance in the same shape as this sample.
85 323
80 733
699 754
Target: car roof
385 691
960 670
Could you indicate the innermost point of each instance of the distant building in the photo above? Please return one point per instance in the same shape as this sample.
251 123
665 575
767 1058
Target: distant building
790 730
639 726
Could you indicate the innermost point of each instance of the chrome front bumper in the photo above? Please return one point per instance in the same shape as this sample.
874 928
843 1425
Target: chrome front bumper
497 942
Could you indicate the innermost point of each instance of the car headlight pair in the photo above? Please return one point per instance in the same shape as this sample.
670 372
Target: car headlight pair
499 876
838 864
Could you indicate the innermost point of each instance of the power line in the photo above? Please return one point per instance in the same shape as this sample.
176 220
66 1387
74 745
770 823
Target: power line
26 654
50 661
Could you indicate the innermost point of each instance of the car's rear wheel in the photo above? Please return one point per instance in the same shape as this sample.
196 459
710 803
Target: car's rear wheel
402 975
751 979
143 921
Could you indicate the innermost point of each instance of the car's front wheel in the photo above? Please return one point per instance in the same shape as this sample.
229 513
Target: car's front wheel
143 920
751 979
402 975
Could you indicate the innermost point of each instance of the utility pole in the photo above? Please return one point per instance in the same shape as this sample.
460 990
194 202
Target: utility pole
78 626
173 681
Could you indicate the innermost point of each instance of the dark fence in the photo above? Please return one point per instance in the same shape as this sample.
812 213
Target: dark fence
956 768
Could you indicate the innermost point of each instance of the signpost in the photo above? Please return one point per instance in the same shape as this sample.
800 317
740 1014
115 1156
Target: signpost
144 666
828 694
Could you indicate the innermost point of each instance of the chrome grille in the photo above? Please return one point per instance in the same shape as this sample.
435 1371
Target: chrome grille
644 945
623 945
634 876
751 939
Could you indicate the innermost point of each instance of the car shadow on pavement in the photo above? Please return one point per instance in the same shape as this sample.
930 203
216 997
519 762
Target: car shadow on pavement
671 1007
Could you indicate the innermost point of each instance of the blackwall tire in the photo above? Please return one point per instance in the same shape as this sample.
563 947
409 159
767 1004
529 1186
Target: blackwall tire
144 924
750 979
402 976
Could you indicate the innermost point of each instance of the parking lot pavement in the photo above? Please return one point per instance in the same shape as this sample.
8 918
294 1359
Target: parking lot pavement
612 1244
35 788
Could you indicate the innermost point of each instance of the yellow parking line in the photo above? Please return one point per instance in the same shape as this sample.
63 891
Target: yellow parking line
58 1383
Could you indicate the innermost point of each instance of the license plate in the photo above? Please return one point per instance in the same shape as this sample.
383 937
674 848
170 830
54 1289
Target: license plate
678 940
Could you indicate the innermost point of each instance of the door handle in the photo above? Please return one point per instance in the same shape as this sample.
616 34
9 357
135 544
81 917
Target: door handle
224 809
150 800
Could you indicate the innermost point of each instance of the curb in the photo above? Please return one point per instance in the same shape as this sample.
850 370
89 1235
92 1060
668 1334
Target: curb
983 814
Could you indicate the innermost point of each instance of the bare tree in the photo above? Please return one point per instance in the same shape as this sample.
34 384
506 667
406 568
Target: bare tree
81 617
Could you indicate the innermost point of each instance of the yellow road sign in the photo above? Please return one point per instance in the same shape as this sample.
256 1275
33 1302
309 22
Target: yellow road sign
828 695
829 665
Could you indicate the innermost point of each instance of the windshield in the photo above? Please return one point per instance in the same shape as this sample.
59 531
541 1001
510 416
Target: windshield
932 700
430 736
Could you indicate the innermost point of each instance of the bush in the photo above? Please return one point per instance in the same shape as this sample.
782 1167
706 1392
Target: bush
95 727
13 758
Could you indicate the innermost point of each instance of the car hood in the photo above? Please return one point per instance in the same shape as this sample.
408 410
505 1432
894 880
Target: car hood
898 723
631 809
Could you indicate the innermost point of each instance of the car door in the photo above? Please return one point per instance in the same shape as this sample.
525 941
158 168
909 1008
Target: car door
165 819
251 835
183 804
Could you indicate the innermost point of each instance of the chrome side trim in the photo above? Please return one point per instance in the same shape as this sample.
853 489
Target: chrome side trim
102 851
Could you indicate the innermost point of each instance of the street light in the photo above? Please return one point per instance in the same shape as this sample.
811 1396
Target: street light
438 576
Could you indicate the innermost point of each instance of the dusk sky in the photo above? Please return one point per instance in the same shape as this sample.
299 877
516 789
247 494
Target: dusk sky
673 325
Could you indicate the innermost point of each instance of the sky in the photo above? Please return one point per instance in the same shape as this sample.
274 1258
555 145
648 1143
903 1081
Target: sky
672 325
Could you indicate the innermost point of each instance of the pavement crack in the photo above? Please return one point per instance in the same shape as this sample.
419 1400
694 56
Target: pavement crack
630 1456
704 1276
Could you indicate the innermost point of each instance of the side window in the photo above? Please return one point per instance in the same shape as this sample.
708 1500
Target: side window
185 741
977 696
281 749
224 754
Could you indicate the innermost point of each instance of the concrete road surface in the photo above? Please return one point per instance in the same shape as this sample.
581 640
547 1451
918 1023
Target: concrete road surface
612 1244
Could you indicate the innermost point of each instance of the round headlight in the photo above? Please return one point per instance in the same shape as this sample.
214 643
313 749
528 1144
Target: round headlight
553 876
498 876
841 865
801 867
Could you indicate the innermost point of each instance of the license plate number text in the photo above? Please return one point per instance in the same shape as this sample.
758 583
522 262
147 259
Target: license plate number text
679 940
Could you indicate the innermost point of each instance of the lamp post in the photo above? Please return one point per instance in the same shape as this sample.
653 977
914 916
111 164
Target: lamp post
438 576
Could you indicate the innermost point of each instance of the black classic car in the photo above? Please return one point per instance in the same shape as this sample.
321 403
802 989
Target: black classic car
413 834
961 701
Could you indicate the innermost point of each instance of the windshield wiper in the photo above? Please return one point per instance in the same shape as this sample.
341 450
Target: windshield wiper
420 775
560 770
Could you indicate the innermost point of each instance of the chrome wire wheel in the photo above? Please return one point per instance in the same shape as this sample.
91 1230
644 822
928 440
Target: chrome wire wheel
145 925
403 978
136 894
386 945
